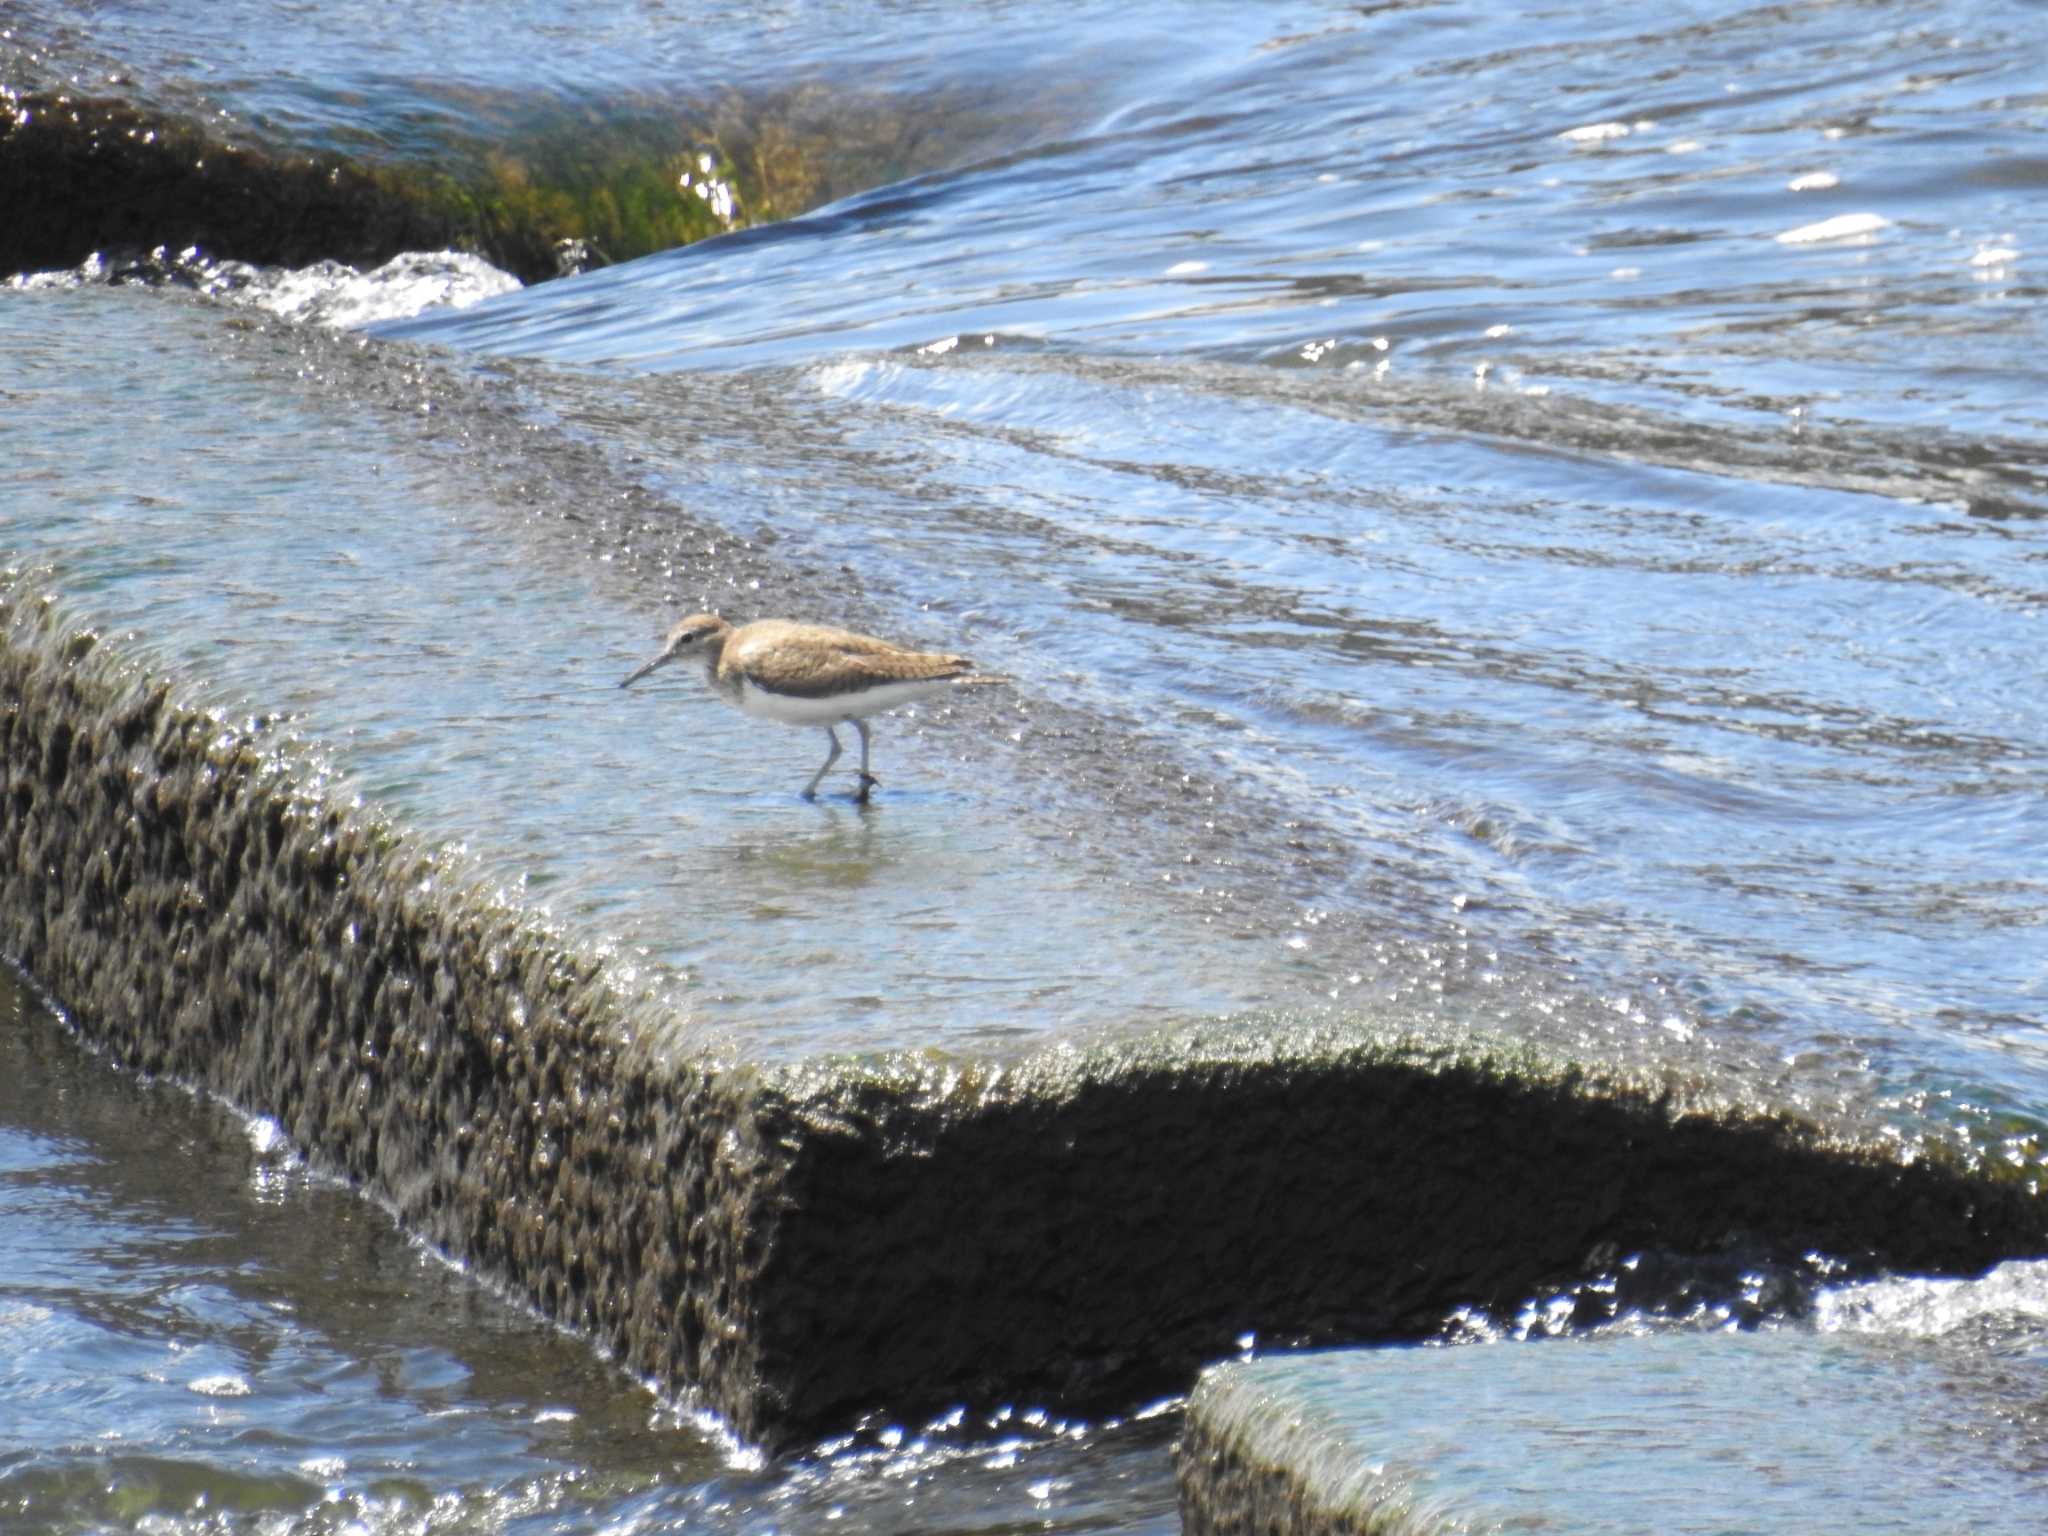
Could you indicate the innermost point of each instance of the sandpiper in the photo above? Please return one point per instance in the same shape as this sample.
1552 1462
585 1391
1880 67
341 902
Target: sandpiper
808 674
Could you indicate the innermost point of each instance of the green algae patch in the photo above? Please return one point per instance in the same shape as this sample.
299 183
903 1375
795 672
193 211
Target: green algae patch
535 190
85 174
92 174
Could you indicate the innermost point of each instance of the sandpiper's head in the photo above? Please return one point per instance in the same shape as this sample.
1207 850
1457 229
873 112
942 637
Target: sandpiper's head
694 636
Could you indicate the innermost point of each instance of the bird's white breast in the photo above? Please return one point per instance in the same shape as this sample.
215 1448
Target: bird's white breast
793 709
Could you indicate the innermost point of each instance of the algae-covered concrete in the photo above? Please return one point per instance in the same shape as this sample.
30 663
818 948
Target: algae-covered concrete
84 173
1777 1430
92 173
1088 1225
1096 1226
174 884
1251 1462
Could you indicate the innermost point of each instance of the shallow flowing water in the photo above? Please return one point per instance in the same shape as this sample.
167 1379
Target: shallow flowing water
1533 516
1601 481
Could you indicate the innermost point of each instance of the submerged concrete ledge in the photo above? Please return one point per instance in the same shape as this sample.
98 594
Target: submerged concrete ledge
94 173
797 1244
85 174
1770 1431
537 192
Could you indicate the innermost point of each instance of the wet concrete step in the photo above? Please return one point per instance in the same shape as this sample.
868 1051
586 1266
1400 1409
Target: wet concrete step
317 791
798 1241
1728 1433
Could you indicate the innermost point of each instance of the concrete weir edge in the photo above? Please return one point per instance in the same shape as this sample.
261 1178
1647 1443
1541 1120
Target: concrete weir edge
1248 1464
793 1245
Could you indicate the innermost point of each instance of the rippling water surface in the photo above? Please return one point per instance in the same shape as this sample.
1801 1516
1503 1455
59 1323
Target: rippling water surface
1597 470
1533 513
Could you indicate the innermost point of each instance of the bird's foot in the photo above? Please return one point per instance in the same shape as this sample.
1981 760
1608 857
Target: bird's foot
867 782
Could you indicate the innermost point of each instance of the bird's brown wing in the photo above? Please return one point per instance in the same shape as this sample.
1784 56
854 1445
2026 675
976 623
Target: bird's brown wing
810 661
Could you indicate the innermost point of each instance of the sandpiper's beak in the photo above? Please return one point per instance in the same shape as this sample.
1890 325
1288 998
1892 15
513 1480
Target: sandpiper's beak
665 656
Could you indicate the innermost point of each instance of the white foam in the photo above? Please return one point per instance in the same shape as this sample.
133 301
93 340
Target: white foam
1844 226
1929 1308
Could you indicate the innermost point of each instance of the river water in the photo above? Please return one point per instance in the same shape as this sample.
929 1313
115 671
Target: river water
1534 515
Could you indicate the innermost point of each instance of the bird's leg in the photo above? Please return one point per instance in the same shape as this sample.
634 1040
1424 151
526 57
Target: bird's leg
867 780
811 789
